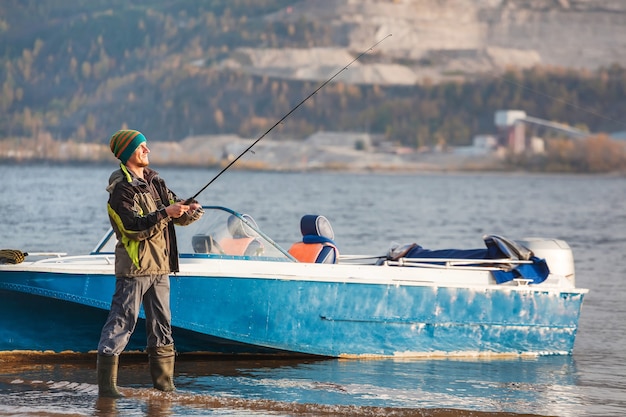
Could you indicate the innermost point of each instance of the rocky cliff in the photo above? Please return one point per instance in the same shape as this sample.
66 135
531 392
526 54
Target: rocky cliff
434 40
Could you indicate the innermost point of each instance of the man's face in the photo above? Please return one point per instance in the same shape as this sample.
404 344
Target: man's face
139 158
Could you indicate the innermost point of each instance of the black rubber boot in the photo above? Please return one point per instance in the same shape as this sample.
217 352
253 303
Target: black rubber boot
162 367
107 376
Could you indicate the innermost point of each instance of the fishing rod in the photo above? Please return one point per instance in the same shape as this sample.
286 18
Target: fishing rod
188 201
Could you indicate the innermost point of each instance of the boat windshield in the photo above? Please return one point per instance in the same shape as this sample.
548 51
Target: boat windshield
220 232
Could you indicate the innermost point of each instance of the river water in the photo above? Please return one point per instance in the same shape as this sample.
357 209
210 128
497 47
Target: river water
52 208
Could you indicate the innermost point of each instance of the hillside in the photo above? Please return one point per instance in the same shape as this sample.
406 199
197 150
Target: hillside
438 40
80 70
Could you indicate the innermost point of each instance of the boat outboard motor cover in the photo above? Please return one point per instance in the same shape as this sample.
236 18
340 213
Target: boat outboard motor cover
556 252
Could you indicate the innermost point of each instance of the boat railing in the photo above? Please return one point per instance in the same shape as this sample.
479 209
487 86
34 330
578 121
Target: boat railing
442 263
446 263
55 254
360 259
87 259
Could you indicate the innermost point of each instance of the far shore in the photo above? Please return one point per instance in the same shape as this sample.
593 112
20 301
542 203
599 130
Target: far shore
217 152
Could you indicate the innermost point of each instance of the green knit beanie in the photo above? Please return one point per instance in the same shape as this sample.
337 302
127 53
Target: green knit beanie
124 142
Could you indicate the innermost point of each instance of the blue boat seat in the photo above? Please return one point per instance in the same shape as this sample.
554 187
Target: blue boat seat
317 245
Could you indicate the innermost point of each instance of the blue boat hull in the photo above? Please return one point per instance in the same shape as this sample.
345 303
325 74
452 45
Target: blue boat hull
48 311
37 323
387 320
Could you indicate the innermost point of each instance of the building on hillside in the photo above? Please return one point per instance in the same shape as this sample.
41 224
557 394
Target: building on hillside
512 129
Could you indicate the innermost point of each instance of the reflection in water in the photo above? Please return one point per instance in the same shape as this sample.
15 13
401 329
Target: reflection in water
106 407
539 386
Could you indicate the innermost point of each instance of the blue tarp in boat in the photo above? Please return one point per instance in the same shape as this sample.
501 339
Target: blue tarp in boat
497 247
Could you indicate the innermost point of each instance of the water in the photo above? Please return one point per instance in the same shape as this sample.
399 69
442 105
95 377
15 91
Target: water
62 209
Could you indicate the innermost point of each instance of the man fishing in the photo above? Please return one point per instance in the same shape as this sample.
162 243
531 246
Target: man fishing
143 212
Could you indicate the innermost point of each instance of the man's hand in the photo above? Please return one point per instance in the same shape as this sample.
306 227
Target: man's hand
177 209
195 211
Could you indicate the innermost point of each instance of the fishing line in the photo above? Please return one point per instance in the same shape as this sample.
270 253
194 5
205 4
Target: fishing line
188 201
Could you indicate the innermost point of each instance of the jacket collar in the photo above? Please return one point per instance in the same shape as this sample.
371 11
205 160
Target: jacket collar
124 174
148 174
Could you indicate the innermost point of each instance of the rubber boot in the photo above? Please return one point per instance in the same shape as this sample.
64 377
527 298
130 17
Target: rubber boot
107 376
162 367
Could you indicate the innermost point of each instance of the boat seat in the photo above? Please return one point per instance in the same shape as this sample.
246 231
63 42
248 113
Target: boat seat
243 239
317 245
202 243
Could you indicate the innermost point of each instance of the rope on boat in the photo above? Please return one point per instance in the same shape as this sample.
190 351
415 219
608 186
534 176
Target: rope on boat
12 256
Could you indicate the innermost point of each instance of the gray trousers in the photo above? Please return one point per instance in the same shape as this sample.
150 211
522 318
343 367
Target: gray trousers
154 292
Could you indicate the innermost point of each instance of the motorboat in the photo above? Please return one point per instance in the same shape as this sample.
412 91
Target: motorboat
252 296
